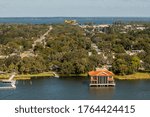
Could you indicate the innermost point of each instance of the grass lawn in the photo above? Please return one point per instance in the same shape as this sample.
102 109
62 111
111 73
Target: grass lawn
44 74
27 76
73 75
136 76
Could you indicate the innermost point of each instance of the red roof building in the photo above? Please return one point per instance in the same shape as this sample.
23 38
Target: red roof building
101 77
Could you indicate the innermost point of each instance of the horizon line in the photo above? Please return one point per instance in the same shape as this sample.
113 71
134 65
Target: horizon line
75 17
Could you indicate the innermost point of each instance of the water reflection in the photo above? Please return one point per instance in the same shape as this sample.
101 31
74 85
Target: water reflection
105 93
24 82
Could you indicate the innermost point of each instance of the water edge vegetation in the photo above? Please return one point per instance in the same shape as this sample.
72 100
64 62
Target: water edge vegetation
135 76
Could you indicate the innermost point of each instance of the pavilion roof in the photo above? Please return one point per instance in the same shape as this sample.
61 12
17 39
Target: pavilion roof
101 72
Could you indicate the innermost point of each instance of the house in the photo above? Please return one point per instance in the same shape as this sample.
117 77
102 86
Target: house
71 22
101 78
134 52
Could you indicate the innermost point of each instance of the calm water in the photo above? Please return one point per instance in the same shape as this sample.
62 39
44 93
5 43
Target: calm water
76 89
81 20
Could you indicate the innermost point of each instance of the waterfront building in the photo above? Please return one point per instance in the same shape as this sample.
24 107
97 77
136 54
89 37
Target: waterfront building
101 78
71 22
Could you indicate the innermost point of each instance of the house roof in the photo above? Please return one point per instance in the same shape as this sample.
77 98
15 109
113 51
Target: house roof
101 72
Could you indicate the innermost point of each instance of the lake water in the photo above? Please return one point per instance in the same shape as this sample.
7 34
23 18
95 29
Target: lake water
81 20
76 89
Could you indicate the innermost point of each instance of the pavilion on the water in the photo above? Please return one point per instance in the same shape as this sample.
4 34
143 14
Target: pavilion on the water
101 78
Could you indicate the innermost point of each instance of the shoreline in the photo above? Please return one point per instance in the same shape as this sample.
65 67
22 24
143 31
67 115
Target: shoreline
44 74
27 76
136 76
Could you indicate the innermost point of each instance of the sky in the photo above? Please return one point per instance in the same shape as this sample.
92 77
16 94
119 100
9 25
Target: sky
74 8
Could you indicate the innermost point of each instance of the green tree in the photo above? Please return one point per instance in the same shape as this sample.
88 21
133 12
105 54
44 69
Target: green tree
135 63
120 66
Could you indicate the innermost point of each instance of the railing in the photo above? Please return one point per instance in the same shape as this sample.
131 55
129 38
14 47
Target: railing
102 84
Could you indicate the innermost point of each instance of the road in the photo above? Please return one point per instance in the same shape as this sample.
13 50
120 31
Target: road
30 53
42 38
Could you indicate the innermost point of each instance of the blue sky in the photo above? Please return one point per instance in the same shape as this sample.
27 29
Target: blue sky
81 8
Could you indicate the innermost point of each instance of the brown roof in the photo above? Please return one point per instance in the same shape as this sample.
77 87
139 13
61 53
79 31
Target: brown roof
101 72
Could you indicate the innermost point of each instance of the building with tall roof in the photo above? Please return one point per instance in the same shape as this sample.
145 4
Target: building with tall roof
101 78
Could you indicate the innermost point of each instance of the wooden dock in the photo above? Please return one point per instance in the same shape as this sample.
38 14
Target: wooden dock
9 81
55 75
4 88
9 87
